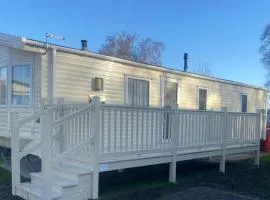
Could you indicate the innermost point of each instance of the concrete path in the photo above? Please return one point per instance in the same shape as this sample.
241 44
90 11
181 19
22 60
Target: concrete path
204 193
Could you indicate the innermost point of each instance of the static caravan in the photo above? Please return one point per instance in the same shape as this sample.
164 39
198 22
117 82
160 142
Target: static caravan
83 113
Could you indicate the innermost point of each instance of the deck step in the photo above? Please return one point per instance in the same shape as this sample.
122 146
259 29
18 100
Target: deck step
59 181
77 163
70 172
80 158
74 169
33 191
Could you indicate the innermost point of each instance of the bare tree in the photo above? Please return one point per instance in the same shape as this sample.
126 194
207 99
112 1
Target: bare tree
265 52
128 46
203 69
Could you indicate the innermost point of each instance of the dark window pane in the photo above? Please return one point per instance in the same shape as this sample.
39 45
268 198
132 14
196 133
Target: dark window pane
170 93
202 99
244 103
138 92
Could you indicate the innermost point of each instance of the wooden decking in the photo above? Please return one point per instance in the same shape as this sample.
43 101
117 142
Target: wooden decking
80 141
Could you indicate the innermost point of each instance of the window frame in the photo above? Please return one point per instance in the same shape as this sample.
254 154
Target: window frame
126 77
241 100
31 100
7 88
198 97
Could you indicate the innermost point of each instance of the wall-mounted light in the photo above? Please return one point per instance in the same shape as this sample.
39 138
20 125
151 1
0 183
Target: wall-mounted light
98 84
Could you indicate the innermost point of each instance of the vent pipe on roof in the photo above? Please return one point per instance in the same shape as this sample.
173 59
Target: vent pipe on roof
185 61
84 45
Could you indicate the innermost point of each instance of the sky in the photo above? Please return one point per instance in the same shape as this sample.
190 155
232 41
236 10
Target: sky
223 35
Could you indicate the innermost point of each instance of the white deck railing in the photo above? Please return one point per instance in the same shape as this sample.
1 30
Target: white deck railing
108 131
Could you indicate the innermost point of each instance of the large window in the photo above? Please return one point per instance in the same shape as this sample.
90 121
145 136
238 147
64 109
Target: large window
3 85
244 103
202 99
138 92
21 84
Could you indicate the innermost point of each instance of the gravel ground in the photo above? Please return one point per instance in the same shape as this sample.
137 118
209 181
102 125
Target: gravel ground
204 193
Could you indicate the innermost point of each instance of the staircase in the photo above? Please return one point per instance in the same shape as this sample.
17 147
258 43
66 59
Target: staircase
68 147
70 181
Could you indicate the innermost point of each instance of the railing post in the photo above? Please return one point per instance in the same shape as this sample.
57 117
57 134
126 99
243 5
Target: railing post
175 142
46 154
60 104
263 125
95 143
15 148
258 137
223 141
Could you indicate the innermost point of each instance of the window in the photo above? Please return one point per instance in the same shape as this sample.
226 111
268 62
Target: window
170 98
3 85
21 84
170 93
138 92
202 98
244 103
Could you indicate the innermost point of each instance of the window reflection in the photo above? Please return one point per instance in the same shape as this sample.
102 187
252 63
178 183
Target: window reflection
21 84
3 85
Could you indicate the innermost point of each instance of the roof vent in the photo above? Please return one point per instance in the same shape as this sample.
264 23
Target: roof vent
185 61
84 45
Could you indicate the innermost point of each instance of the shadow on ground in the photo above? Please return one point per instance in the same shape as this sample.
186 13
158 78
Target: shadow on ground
241 177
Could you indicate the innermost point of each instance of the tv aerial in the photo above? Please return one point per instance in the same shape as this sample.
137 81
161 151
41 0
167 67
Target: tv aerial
51 36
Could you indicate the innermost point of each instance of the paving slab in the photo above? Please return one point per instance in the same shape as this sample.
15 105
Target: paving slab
204 193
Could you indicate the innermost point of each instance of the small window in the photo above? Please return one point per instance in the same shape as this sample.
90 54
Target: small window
244 103
21 84
138 92
202 99
3 85
170 94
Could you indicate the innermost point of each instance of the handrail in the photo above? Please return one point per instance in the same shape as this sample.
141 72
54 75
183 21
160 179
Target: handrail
29 119
30 149
112 106
73 149
71 115
35 116
243 114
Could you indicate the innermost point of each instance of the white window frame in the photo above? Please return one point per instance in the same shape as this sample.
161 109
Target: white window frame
242 102
126 77
31 85
198 96
7 98
162 89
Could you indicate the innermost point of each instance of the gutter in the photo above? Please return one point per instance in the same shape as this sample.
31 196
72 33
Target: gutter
40 46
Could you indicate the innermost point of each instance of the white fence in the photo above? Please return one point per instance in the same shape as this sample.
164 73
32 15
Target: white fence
128 130
116 130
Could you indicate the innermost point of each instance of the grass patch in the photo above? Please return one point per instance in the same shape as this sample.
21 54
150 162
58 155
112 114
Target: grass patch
151 182
5 177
